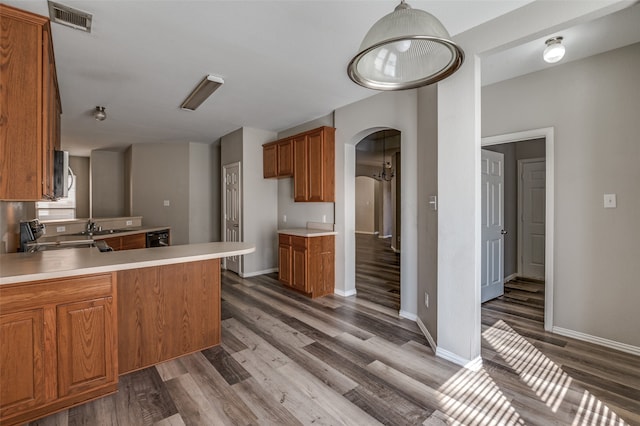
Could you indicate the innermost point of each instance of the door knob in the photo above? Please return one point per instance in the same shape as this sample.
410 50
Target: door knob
503 232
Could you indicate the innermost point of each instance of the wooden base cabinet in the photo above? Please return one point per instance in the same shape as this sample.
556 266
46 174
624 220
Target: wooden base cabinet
166 312
59 346
307 264
127 242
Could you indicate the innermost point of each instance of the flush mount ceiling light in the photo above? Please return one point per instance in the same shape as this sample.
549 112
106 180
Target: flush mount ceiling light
100 114
203 90
554 50
405 49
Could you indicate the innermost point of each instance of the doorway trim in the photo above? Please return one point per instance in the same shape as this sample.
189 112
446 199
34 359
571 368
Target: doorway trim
548 134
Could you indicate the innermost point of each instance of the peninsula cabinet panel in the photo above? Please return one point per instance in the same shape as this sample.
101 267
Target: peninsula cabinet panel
166 312
30 107
21 361
63 347
86 346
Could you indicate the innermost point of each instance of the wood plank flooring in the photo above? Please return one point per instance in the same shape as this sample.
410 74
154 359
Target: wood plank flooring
289 360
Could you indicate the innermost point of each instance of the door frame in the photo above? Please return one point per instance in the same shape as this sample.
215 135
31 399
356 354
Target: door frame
548 134
520 203
224 207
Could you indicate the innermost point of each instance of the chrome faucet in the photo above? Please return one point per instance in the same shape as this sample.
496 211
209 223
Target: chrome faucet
91 227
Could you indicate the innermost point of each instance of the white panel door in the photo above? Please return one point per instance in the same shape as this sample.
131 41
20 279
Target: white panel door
232 211
532 202
492 169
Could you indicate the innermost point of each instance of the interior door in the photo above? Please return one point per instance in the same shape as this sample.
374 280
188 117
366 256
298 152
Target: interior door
533 208
232 211
492 170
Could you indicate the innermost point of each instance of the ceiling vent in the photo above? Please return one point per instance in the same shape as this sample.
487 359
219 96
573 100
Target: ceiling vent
70 17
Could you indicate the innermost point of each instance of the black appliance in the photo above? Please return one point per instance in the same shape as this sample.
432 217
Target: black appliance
61 174
30 231
158 238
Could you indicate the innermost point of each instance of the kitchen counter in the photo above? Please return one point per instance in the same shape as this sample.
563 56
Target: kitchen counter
24 267
307 232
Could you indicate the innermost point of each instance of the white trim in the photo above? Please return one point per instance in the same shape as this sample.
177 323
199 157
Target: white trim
548 134
395 250
520 225
470 364
384 236
367 233
624 347
256 273
426 333
344 293
407 315
510 277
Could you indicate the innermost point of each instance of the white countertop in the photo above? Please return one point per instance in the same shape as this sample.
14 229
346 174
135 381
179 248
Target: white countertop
23 267
306 232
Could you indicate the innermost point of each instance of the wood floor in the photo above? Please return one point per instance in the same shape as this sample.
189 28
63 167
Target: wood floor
289 360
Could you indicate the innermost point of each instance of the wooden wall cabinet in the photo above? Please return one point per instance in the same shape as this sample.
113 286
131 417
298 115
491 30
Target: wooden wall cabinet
166 312
30 108
277 159
127 242
307 264
314 166
59 346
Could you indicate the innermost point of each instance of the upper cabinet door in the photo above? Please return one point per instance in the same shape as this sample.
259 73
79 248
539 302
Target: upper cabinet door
270 161
285 158
315 145
301 169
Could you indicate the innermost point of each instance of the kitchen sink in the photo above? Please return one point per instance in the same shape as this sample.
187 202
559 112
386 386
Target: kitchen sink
103 232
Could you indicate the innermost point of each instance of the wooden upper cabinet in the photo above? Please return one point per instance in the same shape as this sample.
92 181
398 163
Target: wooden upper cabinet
314 173
30 108
277 159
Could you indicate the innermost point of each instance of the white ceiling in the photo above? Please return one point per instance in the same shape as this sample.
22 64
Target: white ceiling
283 62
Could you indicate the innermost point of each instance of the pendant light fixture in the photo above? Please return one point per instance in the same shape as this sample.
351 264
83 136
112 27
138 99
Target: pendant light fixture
99 113
387 173
554 51
405 49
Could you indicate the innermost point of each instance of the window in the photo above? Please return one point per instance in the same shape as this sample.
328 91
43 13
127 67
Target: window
64 208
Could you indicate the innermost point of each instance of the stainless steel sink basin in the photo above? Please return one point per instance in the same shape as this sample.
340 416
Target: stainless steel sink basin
103 232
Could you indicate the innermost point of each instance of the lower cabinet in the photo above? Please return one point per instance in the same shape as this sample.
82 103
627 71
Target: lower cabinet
307 264
127 242
58 346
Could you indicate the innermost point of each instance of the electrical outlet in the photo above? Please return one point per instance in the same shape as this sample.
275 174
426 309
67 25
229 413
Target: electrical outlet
324 218
284 218
129 222
426 299
167 203
610 201
61 228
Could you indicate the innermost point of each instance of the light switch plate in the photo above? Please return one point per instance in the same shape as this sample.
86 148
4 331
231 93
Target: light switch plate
610 201
167 203
129 222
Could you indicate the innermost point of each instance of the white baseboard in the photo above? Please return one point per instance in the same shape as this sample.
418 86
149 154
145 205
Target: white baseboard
426 333
634 350
470 364
395 250
384 236
510 277
366 233
256 273
345 293
408 315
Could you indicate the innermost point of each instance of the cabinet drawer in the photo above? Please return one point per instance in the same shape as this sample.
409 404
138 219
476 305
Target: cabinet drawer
62 290
284 239
299 241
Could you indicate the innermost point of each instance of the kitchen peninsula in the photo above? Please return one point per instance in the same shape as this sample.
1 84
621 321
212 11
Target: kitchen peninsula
76 319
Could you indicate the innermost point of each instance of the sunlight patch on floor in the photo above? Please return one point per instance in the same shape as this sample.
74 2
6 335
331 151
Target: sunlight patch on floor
549 382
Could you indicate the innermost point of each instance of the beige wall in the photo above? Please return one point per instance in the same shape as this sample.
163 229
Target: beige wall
593 106
365 204
107 184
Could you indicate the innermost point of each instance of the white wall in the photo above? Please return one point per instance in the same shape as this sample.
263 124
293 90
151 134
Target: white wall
365 204
593 105
459 250
107 184
395 110
260 209
201 202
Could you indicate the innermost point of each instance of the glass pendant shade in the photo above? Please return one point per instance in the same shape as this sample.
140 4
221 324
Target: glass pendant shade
405 49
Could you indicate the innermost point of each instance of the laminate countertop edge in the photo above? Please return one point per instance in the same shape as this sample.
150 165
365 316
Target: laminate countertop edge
306 232
50 264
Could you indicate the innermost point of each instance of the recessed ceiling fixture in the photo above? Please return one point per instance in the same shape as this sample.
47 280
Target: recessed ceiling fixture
100 114
554 50
74 18
405 49
203 90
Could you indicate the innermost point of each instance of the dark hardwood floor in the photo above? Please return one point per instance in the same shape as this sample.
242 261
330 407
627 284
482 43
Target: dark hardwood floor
289 360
